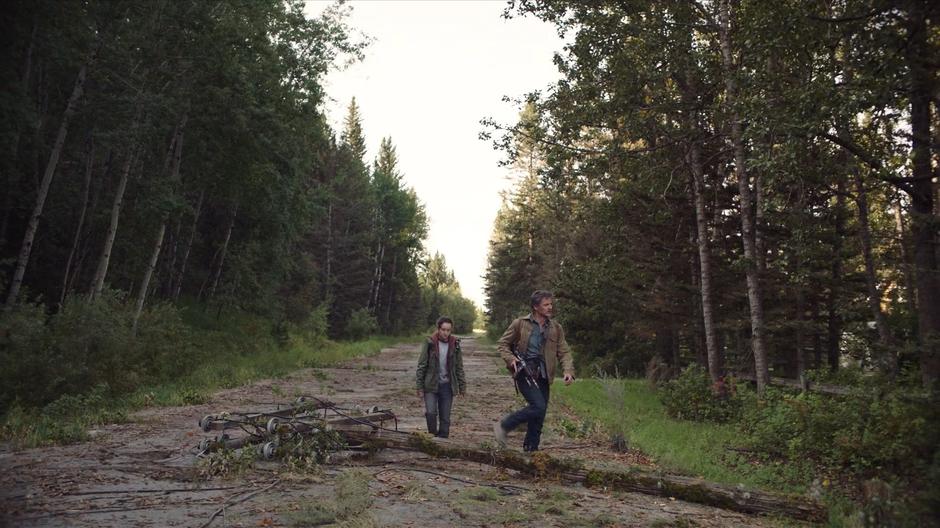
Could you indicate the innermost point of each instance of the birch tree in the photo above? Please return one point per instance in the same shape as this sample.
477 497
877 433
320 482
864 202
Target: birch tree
27 245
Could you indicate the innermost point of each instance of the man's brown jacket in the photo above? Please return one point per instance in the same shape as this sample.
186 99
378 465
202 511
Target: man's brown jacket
556 348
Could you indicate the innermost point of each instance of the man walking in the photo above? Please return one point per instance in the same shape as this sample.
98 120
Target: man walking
532 348
440 376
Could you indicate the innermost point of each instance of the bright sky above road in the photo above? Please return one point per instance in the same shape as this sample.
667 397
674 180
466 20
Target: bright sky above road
432 72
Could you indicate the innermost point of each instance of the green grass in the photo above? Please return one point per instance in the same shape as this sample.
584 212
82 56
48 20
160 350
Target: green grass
67 419
697 449
275 362
631 409
484 339
350 506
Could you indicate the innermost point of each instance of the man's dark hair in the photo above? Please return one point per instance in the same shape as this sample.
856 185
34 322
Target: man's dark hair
538 296
442 320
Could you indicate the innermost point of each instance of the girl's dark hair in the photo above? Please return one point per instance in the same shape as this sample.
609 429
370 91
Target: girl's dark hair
538 296
443 320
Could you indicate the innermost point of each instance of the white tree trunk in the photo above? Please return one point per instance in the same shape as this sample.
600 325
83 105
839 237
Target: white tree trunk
178 284
377 278
328 271
754 293
911 293
222 251
145 283
89 166
708 313
887 359
176 148
104 261
391 292
760 244
27 246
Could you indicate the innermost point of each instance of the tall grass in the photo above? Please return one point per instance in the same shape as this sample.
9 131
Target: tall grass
275 362
629 407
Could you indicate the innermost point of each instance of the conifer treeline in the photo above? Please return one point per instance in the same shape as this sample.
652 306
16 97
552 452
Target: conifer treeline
748 185
176 151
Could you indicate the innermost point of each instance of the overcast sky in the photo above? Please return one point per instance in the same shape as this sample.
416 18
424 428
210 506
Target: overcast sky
432 72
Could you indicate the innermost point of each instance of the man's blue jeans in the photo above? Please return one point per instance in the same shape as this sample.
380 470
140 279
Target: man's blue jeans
437 405
534 414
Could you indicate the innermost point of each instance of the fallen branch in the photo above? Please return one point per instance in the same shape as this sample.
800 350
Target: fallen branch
239 501
138 491
508 489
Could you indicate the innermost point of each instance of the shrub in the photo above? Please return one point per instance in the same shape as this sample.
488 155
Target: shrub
865 432
691 396
361 324
22 363
63 420
317 322
931 495
88 344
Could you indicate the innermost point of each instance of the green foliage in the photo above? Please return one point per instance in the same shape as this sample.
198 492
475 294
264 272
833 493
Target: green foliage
931 486
883 440
305 454
29 428
847 376
865 433
692 396
440 294
604 210
316 514
694 448
349 506
189 396
87 344
479 494
361 324
229 351
62 421
275 234
226 463
316 322
352 494
455 306
22 335
575 428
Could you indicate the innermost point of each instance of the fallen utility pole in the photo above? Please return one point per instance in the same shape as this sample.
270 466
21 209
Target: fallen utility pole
367 428
633 479
276 428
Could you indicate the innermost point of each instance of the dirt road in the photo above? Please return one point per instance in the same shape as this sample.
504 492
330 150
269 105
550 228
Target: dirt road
144 473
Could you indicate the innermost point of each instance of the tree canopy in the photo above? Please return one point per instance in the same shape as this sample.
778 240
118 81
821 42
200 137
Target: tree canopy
168 152
748 185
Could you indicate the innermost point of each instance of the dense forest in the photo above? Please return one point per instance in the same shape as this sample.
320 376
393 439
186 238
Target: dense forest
726 196
750 186
738 200
166 162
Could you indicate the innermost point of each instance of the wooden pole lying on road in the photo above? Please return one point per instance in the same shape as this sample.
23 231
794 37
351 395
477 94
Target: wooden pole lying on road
631 479
369 430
